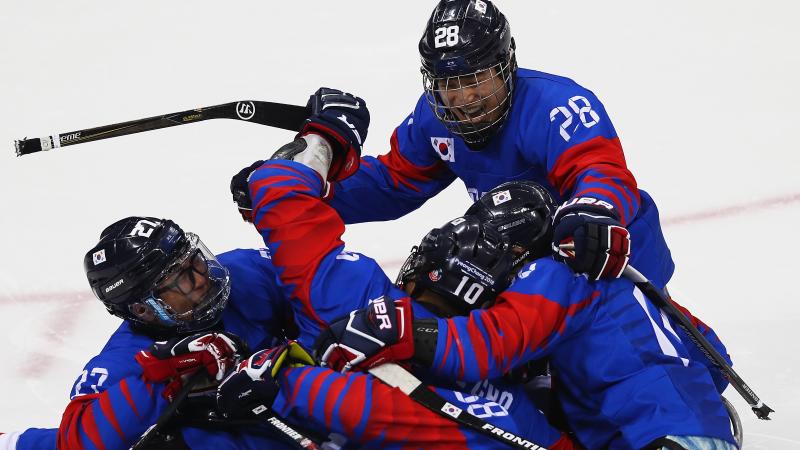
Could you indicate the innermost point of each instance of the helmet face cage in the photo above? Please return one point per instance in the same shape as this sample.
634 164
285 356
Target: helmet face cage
468 67
206 310
472 106
408 269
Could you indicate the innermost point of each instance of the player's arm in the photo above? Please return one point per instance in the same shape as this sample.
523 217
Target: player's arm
354 405
584 154
526 321
696 354
123 391
30 439
110 407
297 226
396 183
585 163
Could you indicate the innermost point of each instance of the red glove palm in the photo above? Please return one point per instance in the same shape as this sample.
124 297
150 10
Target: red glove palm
173 360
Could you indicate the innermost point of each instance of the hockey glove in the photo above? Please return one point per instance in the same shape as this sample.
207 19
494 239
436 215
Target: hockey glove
252 387
343 119
241 191
369 337
173 360
589 236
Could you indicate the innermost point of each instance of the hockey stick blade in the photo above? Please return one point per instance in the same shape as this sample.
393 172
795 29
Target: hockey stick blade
660 300
398 377
278 115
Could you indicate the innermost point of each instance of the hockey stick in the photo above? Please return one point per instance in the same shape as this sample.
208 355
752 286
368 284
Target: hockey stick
660 300
280 428
398 377
167 414
297 439
279 115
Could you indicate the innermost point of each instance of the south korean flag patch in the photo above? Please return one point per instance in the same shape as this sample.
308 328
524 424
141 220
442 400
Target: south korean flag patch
444 148
99 257
501 197
451 410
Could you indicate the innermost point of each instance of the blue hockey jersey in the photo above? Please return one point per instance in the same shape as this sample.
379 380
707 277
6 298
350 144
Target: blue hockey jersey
557 134
624 376
111 406
325 282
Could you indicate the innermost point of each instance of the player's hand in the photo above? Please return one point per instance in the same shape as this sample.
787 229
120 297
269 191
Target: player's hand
241 191
252 387
343 119
369 337
173 360
589 236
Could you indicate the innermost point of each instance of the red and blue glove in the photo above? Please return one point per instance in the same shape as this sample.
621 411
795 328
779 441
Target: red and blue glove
378 334
174 360
343 119
587 233
251 389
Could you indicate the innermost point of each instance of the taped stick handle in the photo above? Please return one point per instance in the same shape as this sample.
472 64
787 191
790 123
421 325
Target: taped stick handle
660 299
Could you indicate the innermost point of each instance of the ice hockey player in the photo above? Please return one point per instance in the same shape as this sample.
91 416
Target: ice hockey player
183 309
168 287
623 376
485 121
325 281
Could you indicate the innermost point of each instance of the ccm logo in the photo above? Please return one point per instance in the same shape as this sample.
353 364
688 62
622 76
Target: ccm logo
380 313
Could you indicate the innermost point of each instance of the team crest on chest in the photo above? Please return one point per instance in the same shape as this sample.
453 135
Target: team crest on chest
444 148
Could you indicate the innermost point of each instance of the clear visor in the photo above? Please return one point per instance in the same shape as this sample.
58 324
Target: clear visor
190 294
472 106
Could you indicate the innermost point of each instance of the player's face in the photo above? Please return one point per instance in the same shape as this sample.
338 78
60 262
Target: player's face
475 98
186 286
441 305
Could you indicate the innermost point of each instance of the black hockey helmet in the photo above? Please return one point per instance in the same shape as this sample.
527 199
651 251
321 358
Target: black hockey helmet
464 261
135 255
462 39
522 211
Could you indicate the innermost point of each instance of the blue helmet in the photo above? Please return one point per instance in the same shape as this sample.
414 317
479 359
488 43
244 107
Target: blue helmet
466 43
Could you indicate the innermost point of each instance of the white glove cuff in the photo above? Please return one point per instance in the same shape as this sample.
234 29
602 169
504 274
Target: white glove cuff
317 155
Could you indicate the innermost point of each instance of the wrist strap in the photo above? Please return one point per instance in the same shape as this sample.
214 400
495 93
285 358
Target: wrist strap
425 334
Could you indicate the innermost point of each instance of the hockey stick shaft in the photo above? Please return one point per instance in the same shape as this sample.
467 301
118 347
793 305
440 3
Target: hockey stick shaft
167 414
290 434
660 299
279 115
398 377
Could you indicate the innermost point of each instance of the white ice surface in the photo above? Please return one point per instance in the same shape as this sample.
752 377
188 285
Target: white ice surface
704 96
